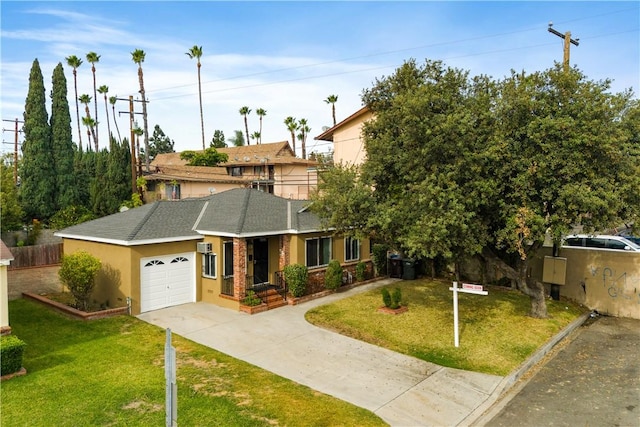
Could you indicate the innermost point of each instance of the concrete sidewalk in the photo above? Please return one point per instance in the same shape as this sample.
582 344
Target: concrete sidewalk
402 390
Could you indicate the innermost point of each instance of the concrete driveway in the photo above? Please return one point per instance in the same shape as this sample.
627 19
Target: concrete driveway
402 390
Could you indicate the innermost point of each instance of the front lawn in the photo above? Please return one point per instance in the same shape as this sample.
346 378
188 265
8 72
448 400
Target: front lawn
110 372
496 335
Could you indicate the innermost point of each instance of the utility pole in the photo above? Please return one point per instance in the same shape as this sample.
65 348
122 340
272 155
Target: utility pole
567 43
15 148
134 184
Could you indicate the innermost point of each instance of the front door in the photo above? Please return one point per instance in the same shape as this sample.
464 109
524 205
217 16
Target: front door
260 261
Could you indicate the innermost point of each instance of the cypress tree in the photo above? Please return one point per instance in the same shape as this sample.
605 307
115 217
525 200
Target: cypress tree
119 174
99 185
61 140
38 188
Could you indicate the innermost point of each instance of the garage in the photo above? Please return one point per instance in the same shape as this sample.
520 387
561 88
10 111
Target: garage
166 281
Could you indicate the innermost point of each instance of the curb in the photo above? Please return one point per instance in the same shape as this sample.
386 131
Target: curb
485 411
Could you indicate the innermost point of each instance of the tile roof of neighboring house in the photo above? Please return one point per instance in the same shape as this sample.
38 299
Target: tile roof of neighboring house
327 135
5 254
239 212
170 166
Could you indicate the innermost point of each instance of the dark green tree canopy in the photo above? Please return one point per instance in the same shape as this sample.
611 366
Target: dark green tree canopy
158 143
67 193
10 210
218 139
459 166
37 192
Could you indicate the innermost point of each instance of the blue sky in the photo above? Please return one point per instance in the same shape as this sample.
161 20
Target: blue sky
287 57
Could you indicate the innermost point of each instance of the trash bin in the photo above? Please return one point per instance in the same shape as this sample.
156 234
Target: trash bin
408 269
395 267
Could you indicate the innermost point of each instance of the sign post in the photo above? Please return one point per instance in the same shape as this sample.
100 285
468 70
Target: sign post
171 388
468 289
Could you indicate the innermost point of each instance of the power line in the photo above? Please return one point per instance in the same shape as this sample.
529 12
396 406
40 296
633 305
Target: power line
371 55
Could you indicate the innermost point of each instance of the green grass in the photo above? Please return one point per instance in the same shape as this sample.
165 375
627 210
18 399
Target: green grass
496 335
110 372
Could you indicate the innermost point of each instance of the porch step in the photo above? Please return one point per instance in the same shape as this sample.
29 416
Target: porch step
274 299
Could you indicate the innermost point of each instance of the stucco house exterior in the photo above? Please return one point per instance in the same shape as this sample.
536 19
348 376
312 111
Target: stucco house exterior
5 259
272 168
212 249
348 144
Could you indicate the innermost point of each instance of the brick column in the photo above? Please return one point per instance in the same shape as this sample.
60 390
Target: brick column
284 251
239 267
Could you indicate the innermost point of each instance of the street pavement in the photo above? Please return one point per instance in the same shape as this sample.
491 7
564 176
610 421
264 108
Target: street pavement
591 379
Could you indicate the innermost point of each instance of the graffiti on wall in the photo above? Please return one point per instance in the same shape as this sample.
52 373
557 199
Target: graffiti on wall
618 284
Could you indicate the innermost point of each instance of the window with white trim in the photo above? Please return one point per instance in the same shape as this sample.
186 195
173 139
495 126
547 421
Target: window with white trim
351 249
318 251
209 265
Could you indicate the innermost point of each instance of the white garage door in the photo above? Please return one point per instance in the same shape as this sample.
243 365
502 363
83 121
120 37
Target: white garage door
167 280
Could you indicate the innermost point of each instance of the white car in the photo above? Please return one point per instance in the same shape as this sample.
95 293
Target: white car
617 243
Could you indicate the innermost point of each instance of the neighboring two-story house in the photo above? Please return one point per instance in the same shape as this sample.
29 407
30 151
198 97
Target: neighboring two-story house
272 168
348 143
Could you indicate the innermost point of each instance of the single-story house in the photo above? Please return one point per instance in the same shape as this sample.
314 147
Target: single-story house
272 168
212 249
5 259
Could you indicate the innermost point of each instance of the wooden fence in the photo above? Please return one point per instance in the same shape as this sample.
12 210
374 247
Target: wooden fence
36 256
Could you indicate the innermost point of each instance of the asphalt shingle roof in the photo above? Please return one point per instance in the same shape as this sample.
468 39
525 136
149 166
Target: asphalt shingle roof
237 212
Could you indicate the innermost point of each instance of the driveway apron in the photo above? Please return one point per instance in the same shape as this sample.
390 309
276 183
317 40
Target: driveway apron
402 390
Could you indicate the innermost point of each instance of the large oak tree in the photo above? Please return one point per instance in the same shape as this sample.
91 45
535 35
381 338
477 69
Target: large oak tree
459 166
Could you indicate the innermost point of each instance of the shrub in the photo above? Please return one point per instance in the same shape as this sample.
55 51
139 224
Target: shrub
78 272
333 275
296 276
251 299
11 350
396 298
71 215
380 258
386 297
361 269
35 230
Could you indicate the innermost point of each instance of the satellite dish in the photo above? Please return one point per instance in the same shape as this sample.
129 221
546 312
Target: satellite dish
212 190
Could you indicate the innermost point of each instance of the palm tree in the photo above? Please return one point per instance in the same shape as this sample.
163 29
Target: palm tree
256 137
93 57
196 52
89 123
112 101
292 126
74 62
304 131
238 139
86 100
104 89
138 57
332 99
244 111
261 112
